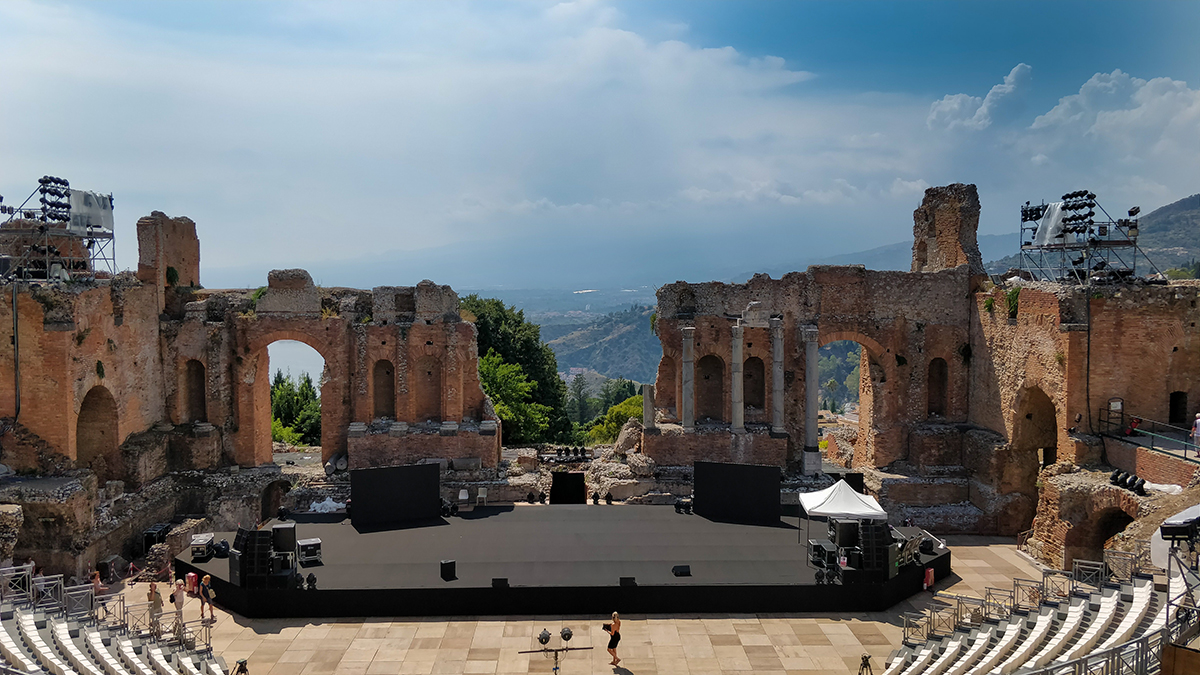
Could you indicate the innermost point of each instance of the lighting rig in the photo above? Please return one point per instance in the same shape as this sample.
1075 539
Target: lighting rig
48 239
558 653
1076 241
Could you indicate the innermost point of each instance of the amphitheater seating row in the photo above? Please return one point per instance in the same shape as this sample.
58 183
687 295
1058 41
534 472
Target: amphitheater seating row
62 639
110 664
1057 632
130 658
15 654
46 656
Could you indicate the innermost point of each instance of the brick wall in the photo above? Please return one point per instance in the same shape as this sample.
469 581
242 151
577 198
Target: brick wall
1155 467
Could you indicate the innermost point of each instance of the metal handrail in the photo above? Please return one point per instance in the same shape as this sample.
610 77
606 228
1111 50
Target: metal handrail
1125 427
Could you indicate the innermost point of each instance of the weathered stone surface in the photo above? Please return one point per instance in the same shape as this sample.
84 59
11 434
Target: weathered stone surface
11 518
630 438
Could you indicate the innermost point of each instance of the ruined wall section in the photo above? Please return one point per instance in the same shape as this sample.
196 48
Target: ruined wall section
944 230
166 243
904 320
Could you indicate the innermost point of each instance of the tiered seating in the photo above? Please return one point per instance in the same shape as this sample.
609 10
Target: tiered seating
131 660
1036 636
159 662
187 667
27 626
1066 632
102 655
15 654
1056 634
62 639
1103 619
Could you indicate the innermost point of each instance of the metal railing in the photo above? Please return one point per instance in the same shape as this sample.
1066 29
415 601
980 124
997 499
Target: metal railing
1026 594
21 589
1157 436
1140 656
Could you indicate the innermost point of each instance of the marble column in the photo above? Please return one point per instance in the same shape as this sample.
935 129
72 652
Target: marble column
687 410
736 394
811 463
648 409
777 377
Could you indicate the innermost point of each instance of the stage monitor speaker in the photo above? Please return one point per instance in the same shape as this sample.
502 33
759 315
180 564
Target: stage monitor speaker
843 532
567 487
629 581
738 493
237 567
448 570
396 494
283 536
682 570
500 582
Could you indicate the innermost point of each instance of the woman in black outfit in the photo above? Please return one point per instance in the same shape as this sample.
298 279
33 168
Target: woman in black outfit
614 629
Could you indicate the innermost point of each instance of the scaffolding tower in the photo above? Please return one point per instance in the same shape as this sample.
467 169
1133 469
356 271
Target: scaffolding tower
1076 241
66 235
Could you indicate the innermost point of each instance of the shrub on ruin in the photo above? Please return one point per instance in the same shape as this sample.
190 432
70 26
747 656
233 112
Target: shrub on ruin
989 305
606 429
1012 298
524 421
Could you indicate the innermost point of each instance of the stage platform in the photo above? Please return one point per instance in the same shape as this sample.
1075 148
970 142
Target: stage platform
559 559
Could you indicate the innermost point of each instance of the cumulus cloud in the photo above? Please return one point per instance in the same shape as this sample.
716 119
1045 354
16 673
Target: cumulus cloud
1002 103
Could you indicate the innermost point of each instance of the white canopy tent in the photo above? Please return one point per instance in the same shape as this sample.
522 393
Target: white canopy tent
841 501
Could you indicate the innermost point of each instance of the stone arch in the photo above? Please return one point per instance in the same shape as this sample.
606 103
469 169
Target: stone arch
936 390
96 441
710 389
754 383
1033 445
1088 539
427 388
272 497
383 389
195 392
253 401
879 442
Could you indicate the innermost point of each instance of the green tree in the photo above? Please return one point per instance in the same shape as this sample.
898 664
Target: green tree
608 427
578 402
512 395
613 392
519 342
295 410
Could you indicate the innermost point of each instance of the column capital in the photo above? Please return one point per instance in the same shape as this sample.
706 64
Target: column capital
809 332
775 323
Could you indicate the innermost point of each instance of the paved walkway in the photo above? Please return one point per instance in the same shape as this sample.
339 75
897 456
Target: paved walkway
685 644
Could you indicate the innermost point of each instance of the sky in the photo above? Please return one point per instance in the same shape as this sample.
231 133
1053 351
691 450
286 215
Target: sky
587 144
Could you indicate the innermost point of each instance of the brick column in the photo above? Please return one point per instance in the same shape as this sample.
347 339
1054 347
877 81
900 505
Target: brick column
777 377
688 409
811 459
736 394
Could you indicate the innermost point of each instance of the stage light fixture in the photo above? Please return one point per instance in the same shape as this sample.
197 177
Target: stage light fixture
566 634
608 498
595 497
544 637
541 497
1134 211
531 498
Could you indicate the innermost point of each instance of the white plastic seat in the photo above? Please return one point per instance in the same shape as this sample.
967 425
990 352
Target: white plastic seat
923 658
463 497
62 638
1104 617
982 639
1070 626
953 649
481 496
46 656
158 661
130 657
1041 628
1143 589
998 651
15 654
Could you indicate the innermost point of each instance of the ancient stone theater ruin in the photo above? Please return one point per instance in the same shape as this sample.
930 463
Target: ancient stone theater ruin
144 397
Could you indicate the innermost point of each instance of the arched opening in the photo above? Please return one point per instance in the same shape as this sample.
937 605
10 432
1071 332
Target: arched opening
427 381
839 374
1087 540
272 498
754 383
710 389
195 393
1178 413
295 392
1034 445
96 439
383 382
939 377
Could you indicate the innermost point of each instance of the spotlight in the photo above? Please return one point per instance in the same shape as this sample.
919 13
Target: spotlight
566 634
544 637
1115 477
531 498
312 582
608 498
595 497
1134 211
541 497
678 506
687 506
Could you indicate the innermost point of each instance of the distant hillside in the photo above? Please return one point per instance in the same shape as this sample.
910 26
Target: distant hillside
1170 237
896 256
616 345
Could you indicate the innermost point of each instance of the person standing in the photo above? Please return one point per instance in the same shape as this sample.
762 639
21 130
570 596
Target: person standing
156 606
1196 431
179 596
614 630
206 598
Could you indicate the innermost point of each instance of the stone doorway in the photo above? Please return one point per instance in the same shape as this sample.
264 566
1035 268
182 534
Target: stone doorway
96 442
710 389
1034 446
